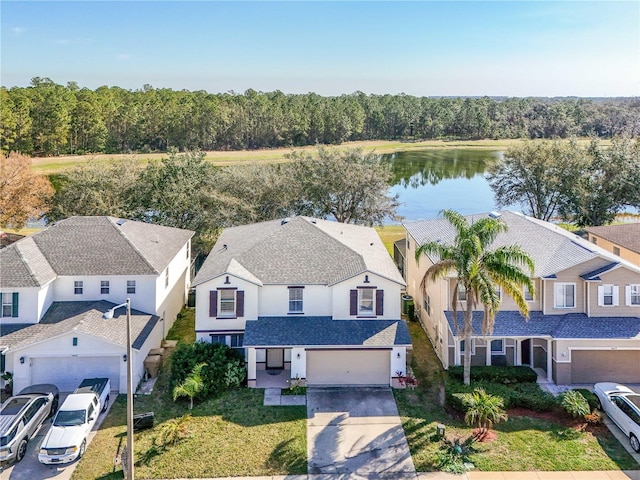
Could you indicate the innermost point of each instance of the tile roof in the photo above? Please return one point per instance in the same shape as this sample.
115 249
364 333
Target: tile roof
571 325
299 250
82 317
552 248
626 235
324 331
90 246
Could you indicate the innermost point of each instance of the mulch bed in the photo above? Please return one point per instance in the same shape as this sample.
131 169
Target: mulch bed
561 418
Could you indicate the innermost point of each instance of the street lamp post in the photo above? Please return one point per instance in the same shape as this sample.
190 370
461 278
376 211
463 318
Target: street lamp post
129 457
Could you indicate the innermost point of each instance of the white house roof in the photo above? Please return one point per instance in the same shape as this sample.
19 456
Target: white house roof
299 250
552 248
81 317
90 246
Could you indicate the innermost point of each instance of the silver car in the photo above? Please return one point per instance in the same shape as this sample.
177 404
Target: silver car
622 405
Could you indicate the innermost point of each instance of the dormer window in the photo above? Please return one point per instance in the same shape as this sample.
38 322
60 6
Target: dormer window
365 301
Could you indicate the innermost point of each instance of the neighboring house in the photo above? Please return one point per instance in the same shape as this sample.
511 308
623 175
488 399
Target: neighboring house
318 299
622 240
56 284
584 324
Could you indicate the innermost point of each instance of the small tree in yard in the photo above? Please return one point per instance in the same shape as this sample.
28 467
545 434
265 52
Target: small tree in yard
484 410
191 386
575 404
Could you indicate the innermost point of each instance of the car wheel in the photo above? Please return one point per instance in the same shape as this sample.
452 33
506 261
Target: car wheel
635 444
106 404
22 449
83 447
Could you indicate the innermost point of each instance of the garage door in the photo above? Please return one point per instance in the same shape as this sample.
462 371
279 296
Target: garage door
67 372
348 367
591 366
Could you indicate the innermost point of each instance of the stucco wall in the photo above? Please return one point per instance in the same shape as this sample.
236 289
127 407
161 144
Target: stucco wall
28 305
273 300
392 302
625 253
621 277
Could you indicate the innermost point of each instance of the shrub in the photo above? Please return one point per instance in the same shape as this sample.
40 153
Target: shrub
525 395
575 404
174 430
594 417
225 367
590 397
495 374
452 455
484 410
531 396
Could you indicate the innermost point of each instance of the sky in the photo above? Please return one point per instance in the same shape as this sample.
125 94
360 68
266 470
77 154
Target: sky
423 48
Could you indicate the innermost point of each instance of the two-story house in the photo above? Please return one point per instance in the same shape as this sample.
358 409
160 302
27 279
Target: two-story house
622 240
315 299
56 284
584 324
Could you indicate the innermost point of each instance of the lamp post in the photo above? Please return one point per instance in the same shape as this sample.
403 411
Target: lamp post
129 457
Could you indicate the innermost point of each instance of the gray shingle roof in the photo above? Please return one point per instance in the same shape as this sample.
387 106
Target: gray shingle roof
299 251
90 246
572 325
83 317
552 248
626 235
324 331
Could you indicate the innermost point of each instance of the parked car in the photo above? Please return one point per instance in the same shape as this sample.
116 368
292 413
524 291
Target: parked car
622 405
66 440
44 389
21 417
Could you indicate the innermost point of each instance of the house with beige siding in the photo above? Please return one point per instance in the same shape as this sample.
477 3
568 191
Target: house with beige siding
56 284
305 298
584 324
621 240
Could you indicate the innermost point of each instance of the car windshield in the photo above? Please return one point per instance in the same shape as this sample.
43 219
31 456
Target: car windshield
69 418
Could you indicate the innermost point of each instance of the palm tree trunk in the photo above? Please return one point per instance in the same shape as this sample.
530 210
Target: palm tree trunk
466 336
190 403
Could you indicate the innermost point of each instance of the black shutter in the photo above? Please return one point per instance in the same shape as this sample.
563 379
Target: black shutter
240 303
353 302
213 303
379 302
14 304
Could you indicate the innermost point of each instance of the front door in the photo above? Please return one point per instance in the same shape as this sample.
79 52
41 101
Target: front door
275 358
526 352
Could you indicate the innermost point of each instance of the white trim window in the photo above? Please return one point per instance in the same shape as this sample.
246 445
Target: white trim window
366 301
473 346
608 296
7 304
462 293
104 287
131 286
227 303
78 287
295 300
526 293
427 304
497 346
565 295
632 294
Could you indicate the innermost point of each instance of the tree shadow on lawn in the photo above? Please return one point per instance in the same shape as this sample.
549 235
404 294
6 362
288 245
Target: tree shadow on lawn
285 458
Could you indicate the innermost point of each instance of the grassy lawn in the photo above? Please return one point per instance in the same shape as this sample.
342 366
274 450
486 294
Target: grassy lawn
233 435
522 443
389 234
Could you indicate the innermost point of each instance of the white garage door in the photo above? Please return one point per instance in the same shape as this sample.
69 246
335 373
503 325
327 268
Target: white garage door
348 367
67 372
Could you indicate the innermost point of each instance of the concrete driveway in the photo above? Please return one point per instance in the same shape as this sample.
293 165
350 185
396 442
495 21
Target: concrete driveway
31 469
356 432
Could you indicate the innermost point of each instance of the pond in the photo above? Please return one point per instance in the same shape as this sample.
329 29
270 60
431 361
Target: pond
429 181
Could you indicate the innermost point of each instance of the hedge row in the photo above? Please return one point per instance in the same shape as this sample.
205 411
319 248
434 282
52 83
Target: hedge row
505 375
525 395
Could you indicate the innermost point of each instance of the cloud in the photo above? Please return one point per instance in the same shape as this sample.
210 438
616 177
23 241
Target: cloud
18 30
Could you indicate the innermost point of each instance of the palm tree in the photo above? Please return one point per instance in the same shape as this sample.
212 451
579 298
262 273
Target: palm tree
479 272
191 386
484 410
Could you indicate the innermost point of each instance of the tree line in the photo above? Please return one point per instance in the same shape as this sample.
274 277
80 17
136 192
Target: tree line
46 118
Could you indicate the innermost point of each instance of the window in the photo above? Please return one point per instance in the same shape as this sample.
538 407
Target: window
104 287
90 411
9 305
218 339
78 287
528 296
633 295
236 340
608 295
594 240
295 299
497 347
565 295
227 307
131 286
462 293
499 292
616 251
365 301
37 404
427 304
166 278
473 346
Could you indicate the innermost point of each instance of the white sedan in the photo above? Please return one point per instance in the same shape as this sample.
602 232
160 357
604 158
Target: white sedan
622 405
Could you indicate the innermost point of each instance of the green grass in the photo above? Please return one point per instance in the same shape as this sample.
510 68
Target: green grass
389 234
522 443
184 328
233 435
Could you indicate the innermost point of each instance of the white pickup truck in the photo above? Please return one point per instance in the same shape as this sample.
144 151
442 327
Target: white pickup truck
67 438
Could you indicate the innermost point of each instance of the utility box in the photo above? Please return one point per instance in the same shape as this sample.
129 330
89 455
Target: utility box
152 365
407 300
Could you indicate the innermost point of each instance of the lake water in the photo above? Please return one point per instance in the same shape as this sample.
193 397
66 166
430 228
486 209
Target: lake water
429 181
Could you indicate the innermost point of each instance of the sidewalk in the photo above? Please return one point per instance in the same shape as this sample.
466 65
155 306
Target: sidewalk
594 475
